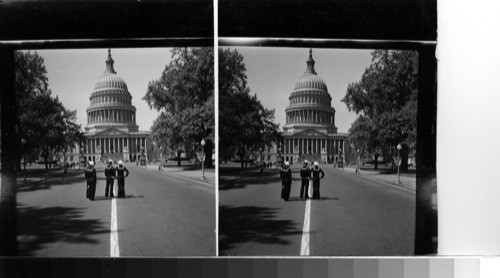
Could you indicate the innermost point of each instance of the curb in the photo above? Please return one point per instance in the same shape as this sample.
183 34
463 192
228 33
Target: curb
361 176
185 179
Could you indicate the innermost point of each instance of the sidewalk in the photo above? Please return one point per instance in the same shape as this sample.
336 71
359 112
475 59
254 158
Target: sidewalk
186 173
408 181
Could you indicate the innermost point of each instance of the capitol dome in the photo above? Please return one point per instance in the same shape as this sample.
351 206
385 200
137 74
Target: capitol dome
310 103
110 80
111 102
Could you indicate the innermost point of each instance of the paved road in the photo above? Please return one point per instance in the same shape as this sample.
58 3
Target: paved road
354 217
160 216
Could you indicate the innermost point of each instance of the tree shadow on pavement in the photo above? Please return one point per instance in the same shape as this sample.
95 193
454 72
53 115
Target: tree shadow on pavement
243 180
61 179
252 224
40 226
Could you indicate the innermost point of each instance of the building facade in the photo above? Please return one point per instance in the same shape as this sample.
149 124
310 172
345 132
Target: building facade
310 132
111 131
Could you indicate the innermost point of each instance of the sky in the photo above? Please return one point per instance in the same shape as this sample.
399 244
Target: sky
272 73
73 73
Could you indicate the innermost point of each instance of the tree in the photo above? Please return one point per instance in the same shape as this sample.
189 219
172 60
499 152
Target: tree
31 82
184 96
245 125
386 101
71 133
43 121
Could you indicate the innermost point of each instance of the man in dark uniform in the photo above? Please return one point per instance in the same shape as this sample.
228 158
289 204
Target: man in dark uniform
316 175
286 180
305 175
91 177
121 174
109 172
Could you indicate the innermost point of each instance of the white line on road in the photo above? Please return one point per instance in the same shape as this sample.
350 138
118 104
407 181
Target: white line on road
114 248
304 246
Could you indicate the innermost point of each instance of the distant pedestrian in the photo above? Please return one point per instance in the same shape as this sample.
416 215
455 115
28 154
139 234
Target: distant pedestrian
91 178
109 172
286 181
121 174
305 175
160 168
316 175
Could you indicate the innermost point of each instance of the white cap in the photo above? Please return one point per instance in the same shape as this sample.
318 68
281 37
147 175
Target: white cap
305 161
91 163
287 163
316 163
110 161
120 162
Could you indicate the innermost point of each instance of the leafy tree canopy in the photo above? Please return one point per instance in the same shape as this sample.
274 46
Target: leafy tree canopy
245 125
385 100
184 96
43 121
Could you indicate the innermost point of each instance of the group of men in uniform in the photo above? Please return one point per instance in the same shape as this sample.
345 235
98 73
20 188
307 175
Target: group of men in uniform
306 174
119 173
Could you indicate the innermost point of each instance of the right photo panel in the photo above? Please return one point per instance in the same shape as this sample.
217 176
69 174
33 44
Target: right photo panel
317 153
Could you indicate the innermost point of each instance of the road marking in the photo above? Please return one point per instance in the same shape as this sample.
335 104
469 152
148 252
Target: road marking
114 248
304 246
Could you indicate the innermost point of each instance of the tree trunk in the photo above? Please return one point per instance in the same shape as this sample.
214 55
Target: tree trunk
45 159
242 157
209 146
404 159
179 158
376 161
64 163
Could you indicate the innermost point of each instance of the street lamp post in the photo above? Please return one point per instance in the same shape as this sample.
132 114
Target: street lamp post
358 170
399 147
203 159
81 163
23 141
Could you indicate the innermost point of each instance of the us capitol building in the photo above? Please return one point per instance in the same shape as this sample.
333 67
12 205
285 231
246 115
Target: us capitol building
310 132
111 131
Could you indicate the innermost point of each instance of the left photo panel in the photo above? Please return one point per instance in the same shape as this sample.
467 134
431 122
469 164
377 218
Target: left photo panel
114 153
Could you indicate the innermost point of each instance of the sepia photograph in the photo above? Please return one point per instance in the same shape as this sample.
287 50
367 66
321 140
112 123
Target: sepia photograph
317 151
116 152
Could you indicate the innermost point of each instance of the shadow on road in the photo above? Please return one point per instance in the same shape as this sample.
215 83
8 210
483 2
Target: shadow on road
54 180
40 226
242 179
252 224
103 198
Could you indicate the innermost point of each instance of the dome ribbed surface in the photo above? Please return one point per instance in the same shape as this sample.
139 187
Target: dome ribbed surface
310 81
109 80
